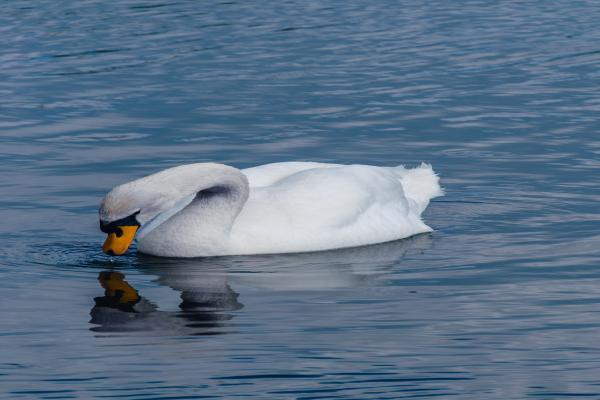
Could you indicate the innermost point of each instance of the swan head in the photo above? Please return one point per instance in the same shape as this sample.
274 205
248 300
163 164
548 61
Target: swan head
125 210
119 221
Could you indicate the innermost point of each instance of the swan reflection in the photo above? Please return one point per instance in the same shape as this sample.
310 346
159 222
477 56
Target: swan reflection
202 311
208 301
333 269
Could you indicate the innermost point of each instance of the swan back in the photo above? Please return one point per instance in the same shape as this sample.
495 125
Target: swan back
327 206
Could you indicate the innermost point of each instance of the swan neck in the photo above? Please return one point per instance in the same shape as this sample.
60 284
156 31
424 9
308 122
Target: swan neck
216 195
218 191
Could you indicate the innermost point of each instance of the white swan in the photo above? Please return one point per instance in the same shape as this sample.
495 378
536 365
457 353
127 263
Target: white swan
211 209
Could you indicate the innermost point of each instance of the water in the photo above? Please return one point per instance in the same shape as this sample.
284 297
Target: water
502 301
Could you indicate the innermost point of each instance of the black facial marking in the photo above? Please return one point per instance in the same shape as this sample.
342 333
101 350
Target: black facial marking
113 227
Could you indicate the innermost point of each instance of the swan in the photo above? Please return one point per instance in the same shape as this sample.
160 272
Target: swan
209 209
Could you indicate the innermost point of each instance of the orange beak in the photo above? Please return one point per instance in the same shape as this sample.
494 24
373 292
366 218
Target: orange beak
117 245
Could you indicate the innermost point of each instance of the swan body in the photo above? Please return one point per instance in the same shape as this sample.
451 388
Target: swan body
208 209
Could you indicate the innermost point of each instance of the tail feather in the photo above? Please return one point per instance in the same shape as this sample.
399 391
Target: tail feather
420 184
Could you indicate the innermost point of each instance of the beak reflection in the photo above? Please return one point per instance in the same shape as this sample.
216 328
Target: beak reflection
118 292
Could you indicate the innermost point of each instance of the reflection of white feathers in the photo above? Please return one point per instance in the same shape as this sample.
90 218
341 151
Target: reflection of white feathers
208 287
334 269
212 209
210 290
343 268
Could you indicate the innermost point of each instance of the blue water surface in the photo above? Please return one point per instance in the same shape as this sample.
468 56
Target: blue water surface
501 301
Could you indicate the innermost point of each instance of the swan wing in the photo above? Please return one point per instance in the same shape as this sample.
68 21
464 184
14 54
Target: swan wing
325 206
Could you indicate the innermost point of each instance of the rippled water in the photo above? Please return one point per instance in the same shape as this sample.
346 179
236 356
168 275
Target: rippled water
502 301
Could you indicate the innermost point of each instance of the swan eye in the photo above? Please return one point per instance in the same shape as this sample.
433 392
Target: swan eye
115 226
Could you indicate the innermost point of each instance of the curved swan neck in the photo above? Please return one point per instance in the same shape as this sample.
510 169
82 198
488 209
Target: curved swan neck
204 199
193 178
219 187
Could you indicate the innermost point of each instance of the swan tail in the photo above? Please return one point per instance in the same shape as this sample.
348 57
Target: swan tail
420 184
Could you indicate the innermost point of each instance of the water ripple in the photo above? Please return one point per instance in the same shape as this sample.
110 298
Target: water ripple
502 98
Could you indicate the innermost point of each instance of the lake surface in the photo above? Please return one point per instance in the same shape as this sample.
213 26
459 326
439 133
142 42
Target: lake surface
501 301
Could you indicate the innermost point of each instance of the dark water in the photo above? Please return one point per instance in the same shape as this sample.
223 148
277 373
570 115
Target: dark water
502 301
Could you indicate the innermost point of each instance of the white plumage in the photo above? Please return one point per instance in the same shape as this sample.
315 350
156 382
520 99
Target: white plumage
211 209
